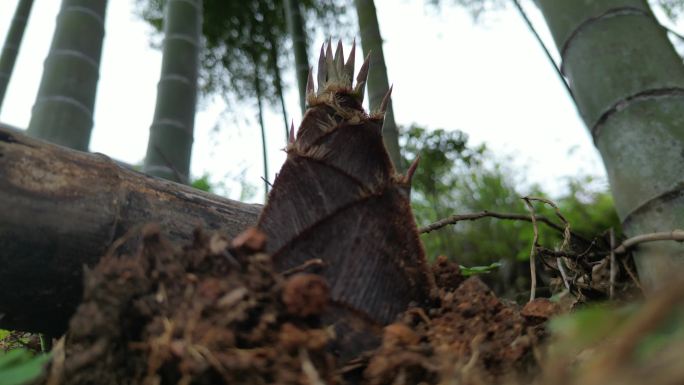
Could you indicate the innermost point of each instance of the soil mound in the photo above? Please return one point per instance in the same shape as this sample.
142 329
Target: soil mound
215 312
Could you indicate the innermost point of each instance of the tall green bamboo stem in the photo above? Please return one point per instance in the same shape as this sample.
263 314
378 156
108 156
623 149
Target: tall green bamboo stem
295 26
628 83
169 148
371 41
10 49
63 111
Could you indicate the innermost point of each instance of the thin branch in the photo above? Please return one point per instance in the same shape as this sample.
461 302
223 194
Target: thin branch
632 275
556 253
674 235
169 164
673 32
277 81
566 224
589 248
309 369
266 181
453 219
545 49
475 345
304 266
535 244
576 257
544 252
559 262
257 87
613 268
418 311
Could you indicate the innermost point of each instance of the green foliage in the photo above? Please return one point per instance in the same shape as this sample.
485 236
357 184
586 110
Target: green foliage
247 191
589 209
476 7
19 366
243 41
440 151
672 8
10 340
454 178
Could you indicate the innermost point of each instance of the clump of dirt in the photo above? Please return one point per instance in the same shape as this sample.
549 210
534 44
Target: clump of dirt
472 337
198 315
216 312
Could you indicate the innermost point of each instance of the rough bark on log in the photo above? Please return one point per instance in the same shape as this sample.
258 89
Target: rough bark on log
59 211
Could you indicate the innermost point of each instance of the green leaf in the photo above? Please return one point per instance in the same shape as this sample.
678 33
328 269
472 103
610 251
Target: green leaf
19 366
475 270
202 183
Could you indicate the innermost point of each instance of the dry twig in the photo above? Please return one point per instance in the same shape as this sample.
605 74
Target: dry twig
674 235
533 267
167 162
564 275
613 268
566 224
309 369
453 219
632 275
535 242
56 371
304 266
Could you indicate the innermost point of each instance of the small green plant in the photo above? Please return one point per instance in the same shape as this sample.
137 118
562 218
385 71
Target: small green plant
203 183
478 270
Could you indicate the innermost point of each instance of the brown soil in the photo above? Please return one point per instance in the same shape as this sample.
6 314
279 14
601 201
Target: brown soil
155 314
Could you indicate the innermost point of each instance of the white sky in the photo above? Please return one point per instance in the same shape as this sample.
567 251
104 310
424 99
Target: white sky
489 80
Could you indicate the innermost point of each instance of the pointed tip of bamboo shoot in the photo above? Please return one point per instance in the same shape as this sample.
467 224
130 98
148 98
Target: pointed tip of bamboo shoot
363 71
321 68
328 51
339 52
310 82
412 170
349 66
386 100
334 71
360 90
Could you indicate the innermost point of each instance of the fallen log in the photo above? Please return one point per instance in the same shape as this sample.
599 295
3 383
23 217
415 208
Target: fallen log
59 211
